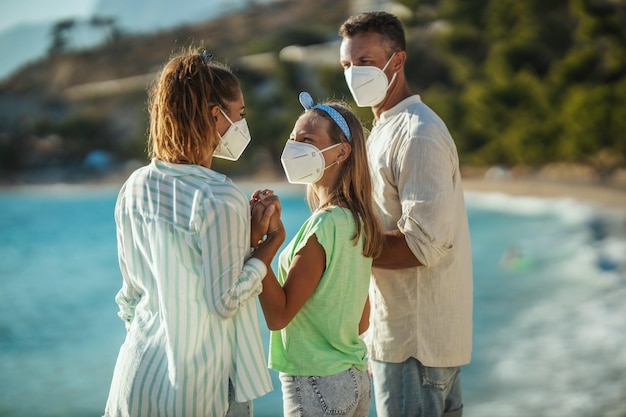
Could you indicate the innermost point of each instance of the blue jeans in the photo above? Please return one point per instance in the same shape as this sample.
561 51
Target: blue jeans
347 393
236 409
410 389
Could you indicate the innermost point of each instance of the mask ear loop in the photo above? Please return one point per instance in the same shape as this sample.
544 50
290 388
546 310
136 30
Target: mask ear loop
338 162
393 78
388 61
226 116
229 121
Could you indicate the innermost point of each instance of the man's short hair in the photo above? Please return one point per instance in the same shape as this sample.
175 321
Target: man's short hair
386 24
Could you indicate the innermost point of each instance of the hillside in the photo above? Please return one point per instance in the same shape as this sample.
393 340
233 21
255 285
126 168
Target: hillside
229 37
55 111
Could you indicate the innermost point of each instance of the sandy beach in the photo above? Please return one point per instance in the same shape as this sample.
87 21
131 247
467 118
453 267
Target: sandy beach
591 193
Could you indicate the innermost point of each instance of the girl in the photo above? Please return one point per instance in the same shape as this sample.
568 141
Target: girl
318 306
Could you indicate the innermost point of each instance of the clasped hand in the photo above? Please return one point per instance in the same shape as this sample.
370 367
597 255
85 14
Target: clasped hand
265 212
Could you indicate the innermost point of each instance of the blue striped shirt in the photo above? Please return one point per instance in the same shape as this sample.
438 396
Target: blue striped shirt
187 297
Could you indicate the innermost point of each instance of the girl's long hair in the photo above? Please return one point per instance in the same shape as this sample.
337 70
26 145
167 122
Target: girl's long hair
355 184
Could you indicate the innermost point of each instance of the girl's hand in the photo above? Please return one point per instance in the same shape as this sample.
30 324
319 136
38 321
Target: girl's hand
266 197
265 211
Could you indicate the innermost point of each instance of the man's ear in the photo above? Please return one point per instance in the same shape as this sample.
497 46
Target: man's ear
398 61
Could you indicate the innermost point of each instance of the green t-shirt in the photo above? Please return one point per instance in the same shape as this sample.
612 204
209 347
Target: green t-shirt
323 338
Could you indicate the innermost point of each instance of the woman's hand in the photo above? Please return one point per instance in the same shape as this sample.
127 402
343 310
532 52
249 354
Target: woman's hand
265 198
268 248
265 211
259 223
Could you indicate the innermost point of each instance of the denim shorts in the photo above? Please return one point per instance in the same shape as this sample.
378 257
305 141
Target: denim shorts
236 409
347 393
410 389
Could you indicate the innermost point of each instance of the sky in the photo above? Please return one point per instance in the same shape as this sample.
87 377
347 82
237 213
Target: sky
14 12
25 25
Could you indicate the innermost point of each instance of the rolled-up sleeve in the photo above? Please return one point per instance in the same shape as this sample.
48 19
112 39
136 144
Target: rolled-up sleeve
426 192
127 299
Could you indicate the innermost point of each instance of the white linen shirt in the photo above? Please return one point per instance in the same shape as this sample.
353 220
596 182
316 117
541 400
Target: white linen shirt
423 312
188 297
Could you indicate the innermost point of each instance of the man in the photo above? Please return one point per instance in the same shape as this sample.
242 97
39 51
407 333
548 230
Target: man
421 293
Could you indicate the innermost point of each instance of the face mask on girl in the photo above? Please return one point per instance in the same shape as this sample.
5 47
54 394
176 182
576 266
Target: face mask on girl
234 140
304 163
367 84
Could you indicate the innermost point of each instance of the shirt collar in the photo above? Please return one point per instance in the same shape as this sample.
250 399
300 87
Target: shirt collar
398 108
172 169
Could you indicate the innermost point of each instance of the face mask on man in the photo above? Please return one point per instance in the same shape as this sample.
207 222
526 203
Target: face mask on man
304 163
234 140
368 84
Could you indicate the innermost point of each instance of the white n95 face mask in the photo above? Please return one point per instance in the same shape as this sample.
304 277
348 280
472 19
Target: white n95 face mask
234 140
368 84
304 163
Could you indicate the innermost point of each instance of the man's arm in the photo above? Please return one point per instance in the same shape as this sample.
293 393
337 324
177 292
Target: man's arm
396 253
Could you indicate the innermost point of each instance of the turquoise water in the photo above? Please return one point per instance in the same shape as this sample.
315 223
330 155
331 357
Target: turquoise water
550 323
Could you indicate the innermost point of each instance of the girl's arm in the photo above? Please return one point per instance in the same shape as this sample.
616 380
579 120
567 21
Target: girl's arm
364 324
281 304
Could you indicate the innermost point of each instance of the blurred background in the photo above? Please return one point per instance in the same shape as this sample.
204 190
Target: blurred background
534 93
535 88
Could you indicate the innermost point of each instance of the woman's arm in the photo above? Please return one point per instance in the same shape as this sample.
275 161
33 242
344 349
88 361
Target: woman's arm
231 278
128 296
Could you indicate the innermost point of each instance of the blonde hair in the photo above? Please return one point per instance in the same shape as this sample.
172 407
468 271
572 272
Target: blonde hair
355 184
182 128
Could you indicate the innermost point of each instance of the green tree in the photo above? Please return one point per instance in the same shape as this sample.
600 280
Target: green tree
60 35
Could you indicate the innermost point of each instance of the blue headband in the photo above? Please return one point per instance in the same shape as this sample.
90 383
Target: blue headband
307 102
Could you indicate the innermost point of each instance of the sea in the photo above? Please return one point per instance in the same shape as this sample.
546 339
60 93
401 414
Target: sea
549 304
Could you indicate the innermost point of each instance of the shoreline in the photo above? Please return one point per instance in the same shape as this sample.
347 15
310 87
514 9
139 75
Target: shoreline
593 194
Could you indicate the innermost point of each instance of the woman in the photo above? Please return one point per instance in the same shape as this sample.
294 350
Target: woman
318 306
193 346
